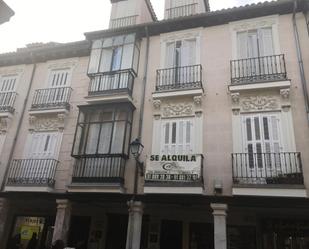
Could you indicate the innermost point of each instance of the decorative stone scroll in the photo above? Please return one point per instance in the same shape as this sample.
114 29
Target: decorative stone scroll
259 103
156 104
47 122
285 93
235 98
197 101
4 124
177 110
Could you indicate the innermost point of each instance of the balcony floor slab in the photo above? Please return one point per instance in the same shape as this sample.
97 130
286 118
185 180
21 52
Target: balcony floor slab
172 190
277 191
96 188
23 188
176 93
260 85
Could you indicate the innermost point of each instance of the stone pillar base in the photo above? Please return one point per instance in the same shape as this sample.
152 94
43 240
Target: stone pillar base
134 224
220 236
63 218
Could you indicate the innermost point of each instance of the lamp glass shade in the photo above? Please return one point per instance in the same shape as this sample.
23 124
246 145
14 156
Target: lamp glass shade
136 148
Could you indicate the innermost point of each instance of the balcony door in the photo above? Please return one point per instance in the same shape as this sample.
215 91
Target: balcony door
179 56
254 44
262 143
43 145
177 137
58 81
7 90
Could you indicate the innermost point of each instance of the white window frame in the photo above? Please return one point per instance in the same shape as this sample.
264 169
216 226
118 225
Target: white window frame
255 23
180 36
28 153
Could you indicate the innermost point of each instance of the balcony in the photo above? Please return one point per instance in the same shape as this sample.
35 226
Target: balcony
267 168
7 100
180 11
51 98
258 70
98 171
122 22
31 174
179 78
174 174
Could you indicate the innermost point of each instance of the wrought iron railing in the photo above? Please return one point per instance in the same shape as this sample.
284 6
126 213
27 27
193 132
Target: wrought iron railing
58 97
92 169
267 168
33 172
7 100
178 78
258 69
185 10
111 82
122 22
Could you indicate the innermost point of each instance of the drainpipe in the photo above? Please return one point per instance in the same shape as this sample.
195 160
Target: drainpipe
18 126
300 60
141 116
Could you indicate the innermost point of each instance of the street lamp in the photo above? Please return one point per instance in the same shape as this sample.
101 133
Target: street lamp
136 149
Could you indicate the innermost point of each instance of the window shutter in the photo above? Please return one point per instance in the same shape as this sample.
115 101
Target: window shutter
242 49
188 53
116 58
266 45
252 44
106 60
127 56
8 83
59 78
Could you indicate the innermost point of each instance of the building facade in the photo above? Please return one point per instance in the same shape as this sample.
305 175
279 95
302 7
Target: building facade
219 102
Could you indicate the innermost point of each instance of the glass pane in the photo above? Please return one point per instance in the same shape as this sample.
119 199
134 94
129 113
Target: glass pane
188 132
129 38
174 125
93 136
105 138
78 135
257 128
94 61
249 131
259 155
108 42
251 156
107 116
127 139
97 44
116 58
95 116
274 128
121 115
181 130
167 132
118 137
266 129
118 40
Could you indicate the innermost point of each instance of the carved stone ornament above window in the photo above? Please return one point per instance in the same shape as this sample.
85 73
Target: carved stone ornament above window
177 110
259 103
197 100
156 104
4 124
47 122
63 64
285 93
235 98
8 71
254 24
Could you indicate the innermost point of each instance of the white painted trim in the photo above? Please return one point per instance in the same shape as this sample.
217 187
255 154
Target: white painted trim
158 95
173 190
49 111
280 192
263 85
255 23
84 188
27 189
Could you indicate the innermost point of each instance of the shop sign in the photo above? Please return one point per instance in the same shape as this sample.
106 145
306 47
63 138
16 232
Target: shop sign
175 168
27 231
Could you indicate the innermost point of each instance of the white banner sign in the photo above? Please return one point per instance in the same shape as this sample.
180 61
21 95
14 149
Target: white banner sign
177 168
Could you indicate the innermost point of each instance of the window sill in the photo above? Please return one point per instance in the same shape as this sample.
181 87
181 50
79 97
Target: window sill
176 93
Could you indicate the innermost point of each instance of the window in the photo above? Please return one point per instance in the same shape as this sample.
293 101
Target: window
59 78
113 54
178 3
8 83
180 53
261 135
255 43
103 130
43 145
177 136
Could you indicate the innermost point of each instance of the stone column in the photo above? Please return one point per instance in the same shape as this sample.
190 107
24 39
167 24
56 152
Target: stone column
134 224
63 217
220 236
4 213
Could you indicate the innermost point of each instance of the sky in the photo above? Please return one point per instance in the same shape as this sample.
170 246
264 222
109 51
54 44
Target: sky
67 20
